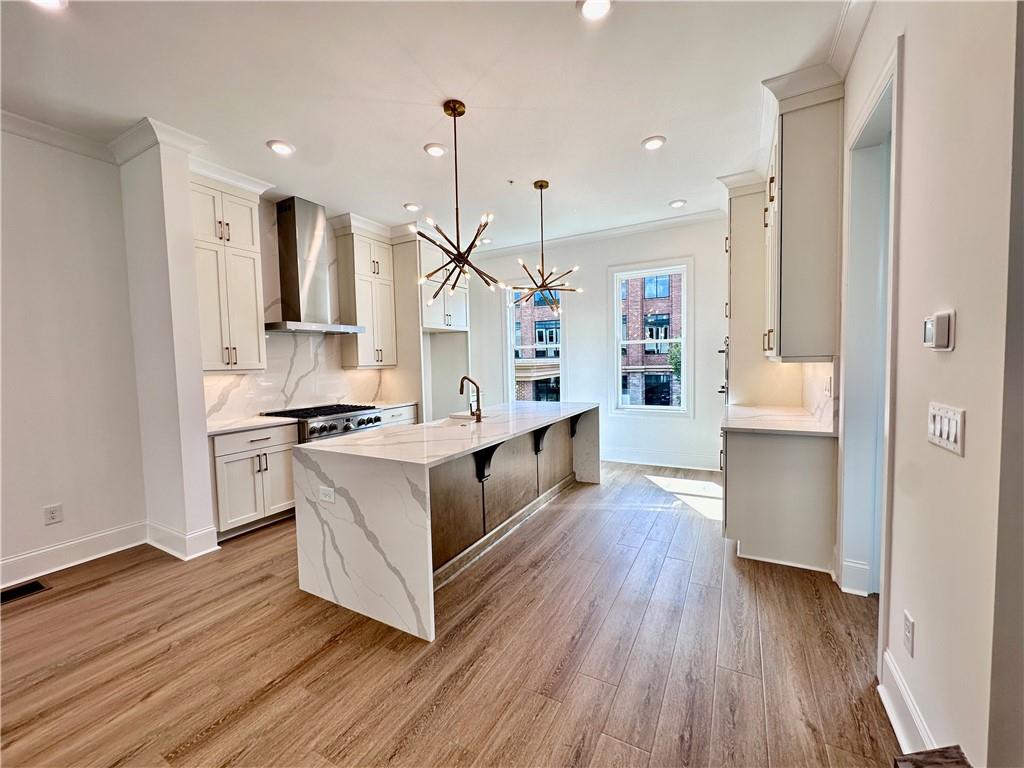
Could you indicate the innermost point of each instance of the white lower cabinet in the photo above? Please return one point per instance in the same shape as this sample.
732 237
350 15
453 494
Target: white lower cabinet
255 482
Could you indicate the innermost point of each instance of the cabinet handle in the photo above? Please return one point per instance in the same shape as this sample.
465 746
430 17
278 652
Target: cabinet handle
227 355
770 344
771 189
220 229
259 439
234 355
766 218
721 460
727 309
726 243
764 342
266 464
227 226
259 464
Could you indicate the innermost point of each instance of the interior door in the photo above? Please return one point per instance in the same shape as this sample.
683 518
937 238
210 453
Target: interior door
278 489
241 222
206 214
245 309
365 316
384 321
239 489
213 307
458 309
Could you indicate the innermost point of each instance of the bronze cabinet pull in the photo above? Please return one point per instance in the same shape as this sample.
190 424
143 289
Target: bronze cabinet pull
764 342
259 463
220 229
266 464
771 189
770 332
234 355
721 460
726 243
259 439
227 226
227 355
766 217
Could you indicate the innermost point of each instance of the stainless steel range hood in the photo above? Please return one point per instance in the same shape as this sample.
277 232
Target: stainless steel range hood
302 232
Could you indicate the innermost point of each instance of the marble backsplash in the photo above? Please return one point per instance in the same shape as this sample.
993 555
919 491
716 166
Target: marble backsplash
820 397
302 369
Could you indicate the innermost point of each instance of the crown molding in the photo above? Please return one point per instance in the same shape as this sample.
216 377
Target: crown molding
55 137
227 176
354 224
148 133
743 183
673 222
852 21
802 81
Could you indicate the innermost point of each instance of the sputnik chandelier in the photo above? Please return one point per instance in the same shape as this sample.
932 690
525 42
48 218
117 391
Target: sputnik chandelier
545 283
458 264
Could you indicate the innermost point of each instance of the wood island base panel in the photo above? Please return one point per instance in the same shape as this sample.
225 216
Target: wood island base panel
378 513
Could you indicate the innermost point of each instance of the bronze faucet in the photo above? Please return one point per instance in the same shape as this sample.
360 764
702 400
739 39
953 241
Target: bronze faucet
477 414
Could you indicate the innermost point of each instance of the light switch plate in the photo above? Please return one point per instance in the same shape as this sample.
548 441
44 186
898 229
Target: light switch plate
946 427
908 634
326 494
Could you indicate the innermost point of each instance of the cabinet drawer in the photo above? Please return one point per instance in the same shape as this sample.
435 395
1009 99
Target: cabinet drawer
405 414
252 439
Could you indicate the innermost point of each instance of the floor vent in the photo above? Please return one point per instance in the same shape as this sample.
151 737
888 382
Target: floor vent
22 590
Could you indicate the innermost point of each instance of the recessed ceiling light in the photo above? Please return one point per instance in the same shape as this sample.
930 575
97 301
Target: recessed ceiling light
51 5
676 203
485 241
412 207
592 10
281 147
653 142
435 150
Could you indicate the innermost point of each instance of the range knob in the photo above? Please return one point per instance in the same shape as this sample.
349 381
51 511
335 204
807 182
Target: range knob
376 419
347 427
332 427
361 423
314 429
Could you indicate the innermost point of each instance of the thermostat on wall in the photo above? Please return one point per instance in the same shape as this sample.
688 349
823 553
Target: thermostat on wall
938 331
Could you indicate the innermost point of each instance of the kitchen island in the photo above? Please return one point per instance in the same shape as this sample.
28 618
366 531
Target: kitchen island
385 516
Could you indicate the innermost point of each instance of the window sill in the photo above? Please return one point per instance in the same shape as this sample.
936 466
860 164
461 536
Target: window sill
651 410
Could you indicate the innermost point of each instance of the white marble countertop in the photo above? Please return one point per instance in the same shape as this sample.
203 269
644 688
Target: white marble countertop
385 404
436 442
776 419
224 426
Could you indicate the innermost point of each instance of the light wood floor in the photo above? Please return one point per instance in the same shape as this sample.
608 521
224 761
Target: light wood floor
613 628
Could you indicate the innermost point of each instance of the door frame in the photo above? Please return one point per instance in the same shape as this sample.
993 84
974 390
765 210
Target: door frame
891 73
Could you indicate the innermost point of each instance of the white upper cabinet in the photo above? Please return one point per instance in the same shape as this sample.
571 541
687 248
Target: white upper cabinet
366 290
229 279
803 227
450 310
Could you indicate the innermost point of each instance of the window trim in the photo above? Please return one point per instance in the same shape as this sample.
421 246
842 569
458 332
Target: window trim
684 265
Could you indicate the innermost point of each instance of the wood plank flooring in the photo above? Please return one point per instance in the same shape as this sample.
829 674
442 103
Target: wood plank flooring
615 627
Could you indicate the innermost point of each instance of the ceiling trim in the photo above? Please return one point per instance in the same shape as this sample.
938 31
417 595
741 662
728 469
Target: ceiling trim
673 222
55 137
148 133
802 81
852 21
353 223
228 176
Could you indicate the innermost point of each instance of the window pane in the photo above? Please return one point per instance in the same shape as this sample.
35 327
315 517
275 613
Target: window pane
537 350
651 379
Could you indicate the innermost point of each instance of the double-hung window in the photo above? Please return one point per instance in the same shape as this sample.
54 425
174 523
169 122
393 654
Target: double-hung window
537 348
651 355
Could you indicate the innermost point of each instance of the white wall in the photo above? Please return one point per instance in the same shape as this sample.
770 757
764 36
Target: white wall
954 205
71 426
588 354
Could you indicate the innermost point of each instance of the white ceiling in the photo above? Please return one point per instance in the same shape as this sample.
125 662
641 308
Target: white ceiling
357 88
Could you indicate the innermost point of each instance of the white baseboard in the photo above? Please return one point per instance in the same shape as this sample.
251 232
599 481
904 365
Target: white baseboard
184 546
38 562
787 563
659 458
907 721
855 578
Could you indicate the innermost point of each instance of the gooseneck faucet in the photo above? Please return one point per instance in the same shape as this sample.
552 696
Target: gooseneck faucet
477 414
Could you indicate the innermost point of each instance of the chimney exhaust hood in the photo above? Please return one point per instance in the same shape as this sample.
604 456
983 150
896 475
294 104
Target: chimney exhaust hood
302 232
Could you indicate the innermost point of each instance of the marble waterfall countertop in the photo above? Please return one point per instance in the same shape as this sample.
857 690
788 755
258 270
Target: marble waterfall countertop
776 419
224 426
436 442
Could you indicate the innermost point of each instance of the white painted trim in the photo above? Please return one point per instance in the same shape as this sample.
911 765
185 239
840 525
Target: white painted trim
57 557
742 183
849 30
855 578
802 81
612 232
227 176
787 563
148 133
911 730
656 457
55 137
354 224
184 546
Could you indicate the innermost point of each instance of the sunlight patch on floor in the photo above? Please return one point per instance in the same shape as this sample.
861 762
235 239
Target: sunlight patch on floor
703 496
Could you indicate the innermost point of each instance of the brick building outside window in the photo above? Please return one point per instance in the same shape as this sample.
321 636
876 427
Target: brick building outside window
537 350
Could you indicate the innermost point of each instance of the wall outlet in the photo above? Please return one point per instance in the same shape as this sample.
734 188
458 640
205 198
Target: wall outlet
946 427
326 494
908 634
53 514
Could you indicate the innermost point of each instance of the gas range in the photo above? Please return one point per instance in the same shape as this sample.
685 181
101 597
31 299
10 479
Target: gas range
322 421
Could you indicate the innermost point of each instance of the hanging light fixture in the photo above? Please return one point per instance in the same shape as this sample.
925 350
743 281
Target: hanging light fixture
458 264
545 283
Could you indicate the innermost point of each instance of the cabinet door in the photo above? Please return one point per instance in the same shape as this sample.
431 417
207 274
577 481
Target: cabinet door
431 258
383 260
278 489
362 255
245 310
239 489
241 223
457 305
365 316
433 313
384 321
207 215
213 307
